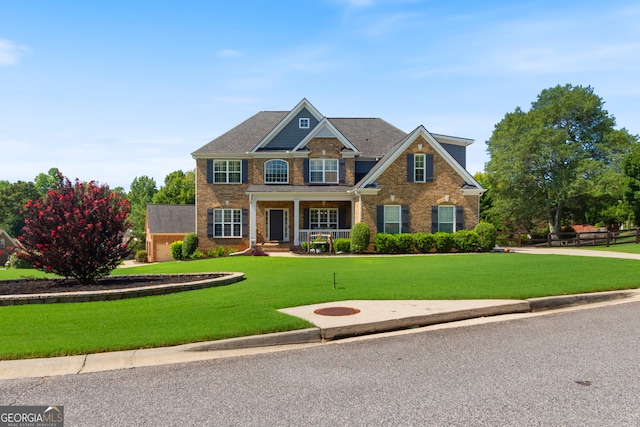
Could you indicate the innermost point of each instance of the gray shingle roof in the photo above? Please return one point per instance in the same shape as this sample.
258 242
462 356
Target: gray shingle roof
245 136
373 137
171 218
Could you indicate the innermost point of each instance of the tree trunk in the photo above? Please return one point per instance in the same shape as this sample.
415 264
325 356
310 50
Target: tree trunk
556 222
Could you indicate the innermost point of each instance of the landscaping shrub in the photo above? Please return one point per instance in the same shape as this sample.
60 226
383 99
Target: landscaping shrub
487 236
189 245
216 252
176 250
17 262
444 241
342 245
466 240
360 237
197 254
142 256
76 230
385 243
405 243
304 246
424 242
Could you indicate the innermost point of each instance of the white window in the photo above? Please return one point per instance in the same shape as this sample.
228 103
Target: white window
303 123
392 219
323 170
227 171
276 172
326 219
446 218
227 223
419 168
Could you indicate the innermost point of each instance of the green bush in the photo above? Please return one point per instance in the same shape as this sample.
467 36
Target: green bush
18 263
304 246
444 241
142 256
466 240
176 250
197 254
424 242
385 243
360 237
487 235
342 245
216 252
189 245
405 243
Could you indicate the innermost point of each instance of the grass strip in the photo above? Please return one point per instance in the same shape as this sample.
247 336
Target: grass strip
249 307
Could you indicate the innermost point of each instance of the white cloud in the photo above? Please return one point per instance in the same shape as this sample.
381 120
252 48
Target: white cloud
9 52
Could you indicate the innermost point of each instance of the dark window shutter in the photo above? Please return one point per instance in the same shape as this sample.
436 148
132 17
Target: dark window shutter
305 170
404 215
305 218
434 219
341 171
459 218
245 171
342 218
428 160
410 168
209 171
209 222
380 218
245 222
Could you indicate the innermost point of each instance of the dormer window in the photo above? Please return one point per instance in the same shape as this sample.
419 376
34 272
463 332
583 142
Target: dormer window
303 123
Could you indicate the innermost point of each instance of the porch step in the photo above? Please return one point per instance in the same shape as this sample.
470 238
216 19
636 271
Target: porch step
273 247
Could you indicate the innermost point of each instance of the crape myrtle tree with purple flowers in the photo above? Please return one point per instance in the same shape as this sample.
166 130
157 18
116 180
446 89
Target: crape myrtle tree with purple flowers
77 230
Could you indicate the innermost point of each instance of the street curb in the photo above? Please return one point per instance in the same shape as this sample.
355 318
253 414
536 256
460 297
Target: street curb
303 336
424 320
560 301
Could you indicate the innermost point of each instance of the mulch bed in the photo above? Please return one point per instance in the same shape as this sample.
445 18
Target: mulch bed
43 286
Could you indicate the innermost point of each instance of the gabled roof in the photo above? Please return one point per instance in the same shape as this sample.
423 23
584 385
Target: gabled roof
170 219
470 183
368 137
9 241
326 128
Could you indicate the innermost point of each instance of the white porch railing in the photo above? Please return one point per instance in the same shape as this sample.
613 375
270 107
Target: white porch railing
335 234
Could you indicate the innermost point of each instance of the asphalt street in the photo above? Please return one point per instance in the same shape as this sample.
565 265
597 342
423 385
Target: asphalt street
577 367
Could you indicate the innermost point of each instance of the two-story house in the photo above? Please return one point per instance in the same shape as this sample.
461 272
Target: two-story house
280 175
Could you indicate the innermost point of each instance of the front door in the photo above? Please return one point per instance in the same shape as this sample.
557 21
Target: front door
276 225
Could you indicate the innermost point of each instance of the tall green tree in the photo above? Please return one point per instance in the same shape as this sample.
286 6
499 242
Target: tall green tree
13 198
140 194
632 185
563 153
179 188
47 181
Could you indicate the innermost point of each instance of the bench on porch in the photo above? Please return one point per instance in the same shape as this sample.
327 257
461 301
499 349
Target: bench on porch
320 239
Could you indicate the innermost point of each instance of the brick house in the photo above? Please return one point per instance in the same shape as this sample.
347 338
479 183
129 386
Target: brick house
281 175
8 245
164 225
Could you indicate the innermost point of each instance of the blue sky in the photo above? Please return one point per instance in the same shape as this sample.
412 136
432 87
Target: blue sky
114 90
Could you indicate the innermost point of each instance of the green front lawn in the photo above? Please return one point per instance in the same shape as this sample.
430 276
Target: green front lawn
249 307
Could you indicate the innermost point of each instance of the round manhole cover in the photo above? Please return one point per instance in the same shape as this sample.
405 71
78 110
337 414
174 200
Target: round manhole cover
337 311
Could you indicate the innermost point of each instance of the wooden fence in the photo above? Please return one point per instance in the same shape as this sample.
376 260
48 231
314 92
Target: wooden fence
583 238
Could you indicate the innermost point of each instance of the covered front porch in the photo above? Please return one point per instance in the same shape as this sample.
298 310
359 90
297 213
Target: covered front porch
287 215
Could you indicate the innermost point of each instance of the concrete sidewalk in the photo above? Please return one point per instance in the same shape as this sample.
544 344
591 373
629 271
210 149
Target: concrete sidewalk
369 317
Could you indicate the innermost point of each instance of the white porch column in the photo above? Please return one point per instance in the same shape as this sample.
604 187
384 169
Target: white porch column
296 222
253 232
